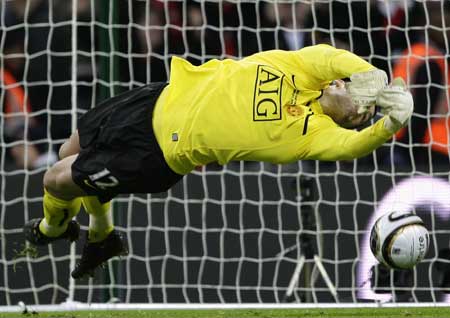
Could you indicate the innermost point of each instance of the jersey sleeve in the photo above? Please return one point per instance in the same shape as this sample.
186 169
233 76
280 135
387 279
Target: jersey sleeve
334 143
314 66
327 63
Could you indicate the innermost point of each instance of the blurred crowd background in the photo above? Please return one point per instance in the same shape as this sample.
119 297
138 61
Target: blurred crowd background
123 44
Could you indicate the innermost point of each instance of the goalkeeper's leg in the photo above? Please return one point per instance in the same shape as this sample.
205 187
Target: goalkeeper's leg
102 241
61 203
100 219
60 208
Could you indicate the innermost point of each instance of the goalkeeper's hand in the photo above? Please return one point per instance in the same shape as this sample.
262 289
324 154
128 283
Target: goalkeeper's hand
397 103
365 87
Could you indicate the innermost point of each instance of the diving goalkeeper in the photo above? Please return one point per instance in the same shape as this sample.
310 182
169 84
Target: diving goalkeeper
275 106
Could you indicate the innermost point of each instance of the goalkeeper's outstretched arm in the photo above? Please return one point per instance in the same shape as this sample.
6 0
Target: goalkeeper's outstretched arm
337 143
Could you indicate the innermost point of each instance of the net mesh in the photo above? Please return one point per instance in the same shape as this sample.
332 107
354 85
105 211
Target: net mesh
232 234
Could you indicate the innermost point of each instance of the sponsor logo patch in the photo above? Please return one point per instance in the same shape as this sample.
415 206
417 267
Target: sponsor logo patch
267 94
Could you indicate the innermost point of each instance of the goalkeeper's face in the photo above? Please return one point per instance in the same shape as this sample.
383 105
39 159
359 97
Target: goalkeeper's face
337 103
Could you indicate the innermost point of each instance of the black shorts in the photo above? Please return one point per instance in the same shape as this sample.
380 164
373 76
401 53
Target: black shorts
119 152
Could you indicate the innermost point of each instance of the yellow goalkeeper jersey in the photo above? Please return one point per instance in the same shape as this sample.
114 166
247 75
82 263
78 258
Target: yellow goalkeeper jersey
261 108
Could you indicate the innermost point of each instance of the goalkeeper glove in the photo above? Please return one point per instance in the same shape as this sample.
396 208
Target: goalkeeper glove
364 88
397 103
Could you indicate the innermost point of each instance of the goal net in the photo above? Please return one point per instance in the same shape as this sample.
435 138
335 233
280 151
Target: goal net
246 232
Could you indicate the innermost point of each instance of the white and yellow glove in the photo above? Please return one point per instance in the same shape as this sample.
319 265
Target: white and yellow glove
365 87
397 103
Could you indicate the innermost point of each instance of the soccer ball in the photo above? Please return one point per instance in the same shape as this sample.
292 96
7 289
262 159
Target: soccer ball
399 240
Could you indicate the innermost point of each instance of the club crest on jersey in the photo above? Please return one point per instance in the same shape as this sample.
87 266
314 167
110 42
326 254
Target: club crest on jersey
267 94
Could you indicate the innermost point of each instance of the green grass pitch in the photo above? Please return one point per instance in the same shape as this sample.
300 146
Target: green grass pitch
260 313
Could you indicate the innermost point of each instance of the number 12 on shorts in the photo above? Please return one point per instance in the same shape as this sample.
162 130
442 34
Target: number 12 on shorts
103 180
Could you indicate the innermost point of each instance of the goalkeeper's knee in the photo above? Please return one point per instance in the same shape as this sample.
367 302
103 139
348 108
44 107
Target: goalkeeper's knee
58 180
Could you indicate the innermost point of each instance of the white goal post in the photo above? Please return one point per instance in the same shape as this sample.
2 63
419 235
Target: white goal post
244 233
